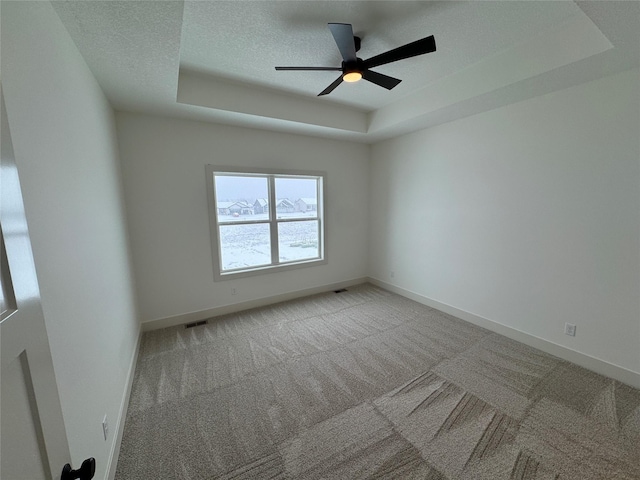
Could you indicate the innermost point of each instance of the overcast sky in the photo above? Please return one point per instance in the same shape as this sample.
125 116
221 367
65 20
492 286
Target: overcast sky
238 188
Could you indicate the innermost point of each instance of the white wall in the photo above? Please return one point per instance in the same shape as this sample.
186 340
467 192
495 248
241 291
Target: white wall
527 215
163 162
63 134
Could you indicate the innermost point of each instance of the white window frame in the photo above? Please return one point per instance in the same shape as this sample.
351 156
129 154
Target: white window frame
273 221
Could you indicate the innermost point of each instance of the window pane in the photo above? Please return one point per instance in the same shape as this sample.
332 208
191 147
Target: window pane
243 246
241 198
296 197
298 240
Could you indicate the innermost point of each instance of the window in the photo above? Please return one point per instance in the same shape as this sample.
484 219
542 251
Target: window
264 220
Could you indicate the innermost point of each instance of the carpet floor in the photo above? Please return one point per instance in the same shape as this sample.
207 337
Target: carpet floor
368 384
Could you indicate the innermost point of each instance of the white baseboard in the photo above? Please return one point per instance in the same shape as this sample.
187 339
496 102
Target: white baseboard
237 307
591 363
122 416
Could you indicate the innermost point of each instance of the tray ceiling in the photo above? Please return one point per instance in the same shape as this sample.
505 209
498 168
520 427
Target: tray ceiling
214 60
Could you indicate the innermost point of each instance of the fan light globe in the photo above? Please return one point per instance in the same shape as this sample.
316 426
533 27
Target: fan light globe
352 76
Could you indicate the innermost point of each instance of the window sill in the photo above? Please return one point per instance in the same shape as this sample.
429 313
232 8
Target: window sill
268 269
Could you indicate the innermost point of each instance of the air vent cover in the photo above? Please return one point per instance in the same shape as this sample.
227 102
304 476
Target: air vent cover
195 324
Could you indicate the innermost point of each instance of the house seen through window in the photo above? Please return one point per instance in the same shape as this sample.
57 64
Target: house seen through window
264 220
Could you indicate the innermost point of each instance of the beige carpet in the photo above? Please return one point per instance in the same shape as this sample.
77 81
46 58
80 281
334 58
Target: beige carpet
368 384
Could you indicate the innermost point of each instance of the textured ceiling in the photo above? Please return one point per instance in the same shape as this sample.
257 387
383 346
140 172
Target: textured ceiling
214 60
246 40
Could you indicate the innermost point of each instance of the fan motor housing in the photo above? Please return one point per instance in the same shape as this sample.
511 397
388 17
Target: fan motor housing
357 66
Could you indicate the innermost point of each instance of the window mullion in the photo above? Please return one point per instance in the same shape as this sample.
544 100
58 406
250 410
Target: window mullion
273 224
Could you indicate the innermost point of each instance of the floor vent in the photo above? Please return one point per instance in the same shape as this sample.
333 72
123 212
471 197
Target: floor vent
195 324
340 291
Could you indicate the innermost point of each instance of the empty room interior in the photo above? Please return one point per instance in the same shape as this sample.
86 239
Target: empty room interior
411 251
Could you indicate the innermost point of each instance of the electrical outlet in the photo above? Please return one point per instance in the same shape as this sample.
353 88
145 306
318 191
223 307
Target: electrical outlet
105 428
393 274
570 329
233 291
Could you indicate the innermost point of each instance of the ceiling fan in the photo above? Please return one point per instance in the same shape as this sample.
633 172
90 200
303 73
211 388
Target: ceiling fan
354 68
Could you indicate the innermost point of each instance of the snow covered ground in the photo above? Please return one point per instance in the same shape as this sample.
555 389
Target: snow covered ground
249 245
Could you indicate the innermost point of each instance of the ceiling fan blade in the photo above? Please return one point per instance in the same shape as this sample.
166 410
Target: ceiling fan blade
380 79
343 35
413 49
331 87
336 69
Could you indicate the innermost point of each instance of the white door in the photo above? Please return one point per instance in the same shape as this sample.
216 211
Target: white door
33 441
